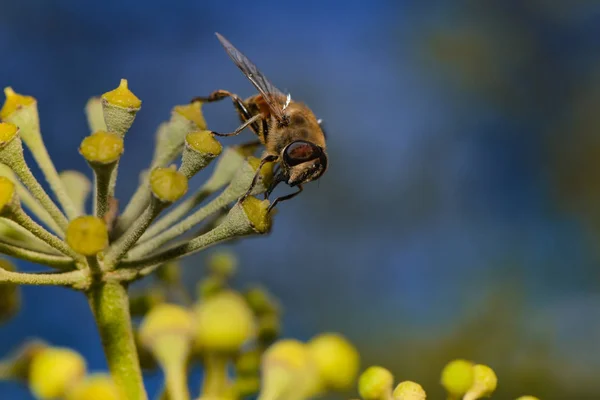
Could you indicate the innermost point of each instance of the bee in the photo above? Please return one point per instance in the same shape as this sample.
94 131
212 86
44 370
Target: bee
289 131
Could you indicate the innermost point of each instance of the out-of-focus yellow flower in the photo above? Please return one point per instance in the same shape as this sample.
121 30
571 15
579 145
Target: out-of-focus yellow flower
95 387
9 294
222 263
527 398
375 384
484 382
457 377
337 360
224 322
288 371
193 113
409 390
54 371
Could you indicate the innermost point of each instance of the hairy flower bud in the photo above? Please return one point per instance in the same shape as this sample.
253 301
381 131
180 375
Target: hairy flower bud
120 107
168 185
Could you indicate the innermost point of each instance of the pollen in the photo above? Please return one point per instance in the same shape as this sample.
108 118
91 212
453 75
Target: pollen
122 97
87 235
204 142
14 102
8 132
102 147
192 112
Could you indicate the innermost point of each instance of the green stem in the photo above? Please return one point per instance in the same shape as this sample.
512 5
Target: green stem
110 305
216 380
72 278
49 260
103 191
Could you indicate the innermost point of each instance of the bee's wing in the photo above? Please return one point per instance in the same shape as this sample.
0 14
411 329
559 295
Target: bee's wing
274 97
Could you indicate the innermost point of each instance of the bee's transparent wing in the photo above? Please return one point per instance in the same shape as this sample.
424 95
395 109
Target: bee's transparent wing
274 97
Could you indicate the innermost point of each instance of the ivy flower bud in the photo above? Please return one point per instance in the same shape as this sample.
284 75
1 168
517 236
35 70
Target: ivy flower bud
87 235
224 322
9 294
95 387
457 377
210 286
8 132
165 320
102 148
120 107
54 371
200 149
484 383
22 111
14 102
222 263
169 273
266 172
193 113
527 398
409 390
167 184
337 361
375 383
258 214
167 332
288 371
8 195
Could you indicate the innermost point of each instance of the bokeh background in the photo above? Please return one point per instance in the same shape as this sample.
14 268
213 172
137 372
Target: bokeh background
461 211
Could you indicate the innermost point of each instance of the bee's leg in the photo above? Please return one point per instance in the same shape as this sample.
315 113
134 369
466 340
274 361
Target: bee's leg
286 197
219 95
266 159
240 128
277 179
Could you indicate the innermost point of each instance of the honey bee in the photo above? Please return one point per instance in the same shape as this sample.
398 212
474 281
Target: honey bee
289 131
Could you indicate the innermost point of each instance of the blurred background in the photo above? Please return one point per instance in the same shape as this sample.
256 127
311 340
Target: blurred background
460 216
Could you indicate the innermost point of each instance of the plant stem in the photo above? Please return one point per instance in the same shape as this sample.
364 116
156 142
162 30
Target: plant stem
216 380
110 305
71 278
49 260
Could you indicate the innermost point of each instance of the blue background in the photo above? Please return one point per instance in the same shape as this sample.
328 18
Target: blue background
460 214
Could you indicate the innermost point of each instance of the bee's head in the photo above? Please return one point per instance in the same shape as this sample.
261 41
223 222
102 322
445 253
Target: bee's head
302 162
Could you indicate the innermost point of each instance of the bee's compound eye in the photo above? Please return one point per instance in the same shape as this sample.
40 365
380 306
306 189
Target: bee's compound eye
301 151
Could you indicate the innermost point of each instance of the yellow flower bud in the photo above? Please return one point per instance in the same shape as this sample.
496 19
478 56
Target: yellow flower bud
484 382
120 107
168 185
409 390
336 359
14 102
288 371
222 263
203 142
169 273
457 377
8 132
7 194
165 319
122 96
210 286
95 387
87 235
527 398
193 113
102 147
224 322
54 371
9 294
375 383
257 213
